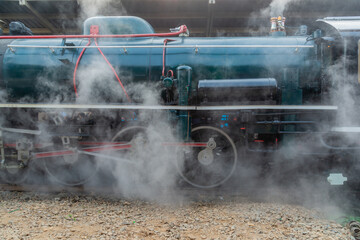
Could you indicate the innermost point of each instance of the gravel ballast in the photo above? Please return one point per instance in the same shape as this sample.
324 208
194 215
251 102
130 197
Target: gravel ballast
68 216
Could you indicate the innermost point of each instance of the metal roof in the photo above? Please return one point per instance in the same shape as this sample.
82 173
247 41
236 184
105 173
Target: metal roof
348 26
343 24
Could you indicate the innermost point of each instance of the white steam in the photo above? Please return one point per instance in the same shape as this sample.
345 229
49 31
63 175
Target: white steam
344 92
148 169
96 83
91 8
259 21
3 95
277 8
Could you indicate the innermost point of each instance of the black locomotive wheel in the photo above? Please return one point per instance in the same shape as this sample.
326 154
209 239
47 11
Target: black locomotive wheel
137 137
133 161
129 134
210 166
72 170
13 174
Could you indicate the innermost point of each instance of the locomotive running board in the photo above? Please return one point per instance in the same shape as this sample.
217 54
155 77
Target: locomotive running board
23 131
164 107
346 129
11 47
268 107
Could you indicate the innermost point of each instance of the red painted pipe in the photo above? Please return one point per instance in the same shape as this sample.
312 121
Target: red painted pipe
77 65
113 70
70 152
54 154
115 146
106 148
183 29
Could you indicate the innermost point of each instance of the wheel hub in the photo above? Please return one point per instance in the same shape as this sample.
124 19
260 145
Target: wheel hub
71 159
211 165
206 157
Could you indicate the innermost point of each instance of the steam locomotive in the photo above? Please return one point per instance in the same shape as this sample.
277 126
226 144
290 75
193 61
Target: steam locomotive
68 100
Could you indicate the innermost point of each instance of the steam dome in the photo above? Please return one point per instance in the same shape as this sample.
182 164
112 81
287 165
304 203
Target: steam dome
118 25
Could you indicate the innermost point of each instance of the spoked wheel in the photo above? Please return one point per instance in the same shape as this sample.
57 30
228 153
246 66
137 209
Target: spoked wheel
137 137
14 173
132 161
72 170
211 165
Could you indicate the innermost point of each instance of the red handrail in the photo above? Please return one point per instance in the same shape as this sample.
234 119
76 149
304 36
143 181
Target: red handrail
77 65
112 68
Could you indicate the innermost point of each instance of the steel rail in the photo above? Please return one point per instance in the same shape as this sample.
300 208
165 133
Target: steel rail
167 46
284 122
268 107
164 107
95 106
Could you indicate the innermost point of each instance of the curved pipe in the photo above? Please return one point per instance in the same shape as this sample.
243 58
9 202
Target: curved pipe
112 68
77 65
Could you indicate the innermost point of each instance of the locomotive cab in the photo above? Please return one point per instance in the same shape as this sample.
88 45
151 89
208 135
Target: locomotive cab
338 40
341 35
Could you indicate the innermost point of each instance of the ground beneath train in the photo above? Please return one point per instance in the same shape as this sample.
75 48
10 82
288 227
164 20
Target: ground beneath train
194 215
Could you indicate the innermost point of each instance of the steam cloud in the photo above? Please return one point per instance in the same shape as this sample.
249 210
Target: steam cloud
277 8
153 176
148 170
259 22
152 173
310 189
91 8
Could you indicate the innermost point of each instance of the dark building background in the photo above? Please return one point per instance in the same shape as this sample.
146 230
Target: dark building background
203 17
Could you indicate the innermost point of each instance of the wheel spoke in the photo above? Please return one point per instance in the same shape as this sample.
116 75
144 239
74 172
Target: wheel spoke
72 170
210 166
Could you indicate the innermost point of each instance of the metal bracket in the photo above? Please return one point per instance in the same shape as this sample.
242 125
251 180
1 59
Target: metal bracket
196 50
211 144
58 120
24 146
65 140
52 50
23 156
12 50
